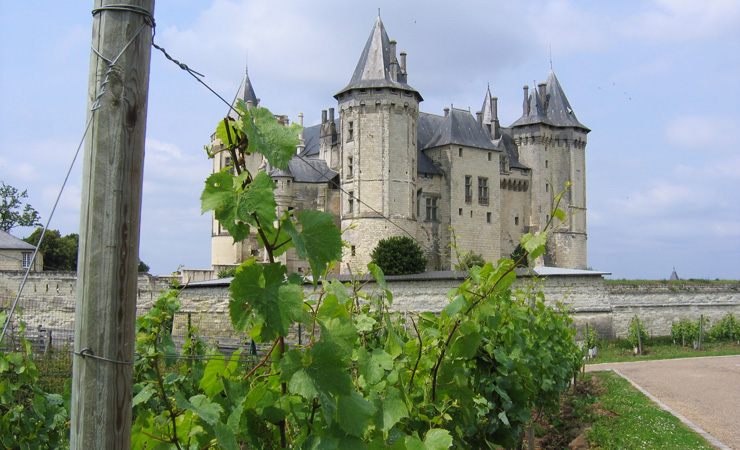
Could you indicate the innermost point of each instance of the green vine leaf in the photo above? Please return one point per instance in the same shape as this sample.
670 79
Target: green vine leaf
355 414
261 298
438 439
267 136
319 240
534 245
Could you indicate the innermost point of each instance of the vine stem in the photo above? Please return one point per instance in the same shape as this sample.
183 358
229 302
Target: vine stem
261 363
421 345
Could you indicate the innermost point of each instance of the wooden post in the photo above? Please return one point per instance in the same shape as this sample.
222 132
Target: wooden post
105 315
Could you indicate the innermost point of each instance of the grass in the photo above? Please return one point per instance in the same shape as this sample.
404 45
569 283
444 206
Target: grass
619 350
623 419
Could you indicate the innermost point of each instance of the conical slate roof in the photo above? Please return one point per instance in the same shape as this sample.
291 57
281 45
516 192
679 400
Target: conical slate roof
487 108
373 68
553 110
245 92
558 108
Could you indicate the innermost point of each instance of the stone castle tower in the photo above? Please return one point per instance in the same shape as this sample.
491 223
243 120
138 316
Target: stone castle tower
383 168
378 112
552 142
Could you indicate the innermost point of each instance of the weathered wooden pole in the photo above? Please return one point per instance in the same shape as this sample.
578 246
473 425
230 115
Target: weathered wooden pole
105 315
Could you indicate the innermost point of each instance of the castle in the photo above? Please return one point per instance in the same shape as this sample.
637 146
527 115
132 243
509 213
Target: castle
383 168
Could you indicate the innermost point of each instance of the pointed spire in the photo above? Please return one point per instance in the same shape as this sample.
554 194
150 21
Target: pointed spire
548 104
558 107
487 108
245 92
374 68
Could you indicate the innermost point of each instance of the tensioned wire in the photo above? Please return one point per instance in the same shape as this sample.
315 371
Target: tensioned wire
197 76
149 20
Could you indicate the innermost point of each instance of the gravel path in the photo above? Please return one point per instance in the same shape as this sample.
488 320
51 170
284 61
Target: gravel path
704 390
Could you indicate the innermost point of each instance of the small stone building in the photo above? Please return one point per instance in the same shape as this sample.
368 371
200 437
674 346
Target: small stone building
16 254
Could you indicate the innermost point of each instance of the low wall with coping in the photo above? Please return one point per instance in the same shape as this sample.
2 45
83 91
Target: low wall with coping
49 298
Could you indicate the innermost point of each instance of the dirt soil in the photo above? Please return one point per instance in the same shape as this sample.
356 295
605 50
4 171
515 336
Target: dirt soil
565 430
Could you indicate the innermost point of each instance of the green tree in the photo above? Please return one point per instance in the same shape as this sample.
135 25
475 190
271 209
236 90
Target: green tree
143 267
399 255
13 212
520 256
471 259
60 253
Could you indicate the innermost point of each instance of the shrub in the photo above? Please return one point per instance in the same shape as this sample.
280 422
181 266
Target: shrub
520 256
227 273
470 260
727 329
399 255
633 337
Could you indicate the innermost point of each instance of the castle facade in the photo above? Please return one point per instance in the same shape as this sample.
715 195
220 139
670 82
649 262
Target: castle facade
384 168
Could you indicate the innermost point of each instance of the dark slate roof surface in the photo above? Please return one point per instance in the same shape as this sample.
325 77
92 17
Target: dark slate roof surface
305 170
553 110
373 68
246 93
8 241
459 127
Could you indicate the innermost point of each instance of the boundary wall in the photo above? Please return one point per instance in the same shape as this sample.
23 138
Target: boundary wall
48 300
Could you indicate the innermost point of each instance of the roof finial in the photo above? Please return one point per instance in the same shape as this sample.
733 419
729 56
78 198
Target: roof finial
550 56
246 63
378 13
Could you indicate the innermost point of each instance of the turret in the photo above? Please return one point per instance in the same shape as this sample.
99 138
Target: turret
378 112
552 142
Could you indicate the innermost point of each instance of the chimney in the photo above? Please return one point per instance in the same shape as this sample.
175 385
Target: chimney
301 142
394 62
323 116
331 115
543 95
479 116
525 108
403 63
447 111
494 112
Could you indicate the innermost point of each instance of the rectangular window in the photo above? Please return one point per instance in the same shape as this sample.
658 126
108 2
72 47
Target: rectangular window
516 220
459 212
547 187
350 167
351 206
488 217
490 155
350 131
459 152
27 259
546 164
483 190
468 189
431 210
503 164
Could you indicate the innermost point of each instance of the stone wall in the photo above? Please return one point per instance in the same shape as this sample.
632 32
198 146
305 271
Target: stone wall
49 297
658 305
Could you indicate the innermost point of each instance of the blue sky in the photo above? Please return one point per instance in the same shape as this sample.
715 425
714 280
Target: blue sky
657 81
